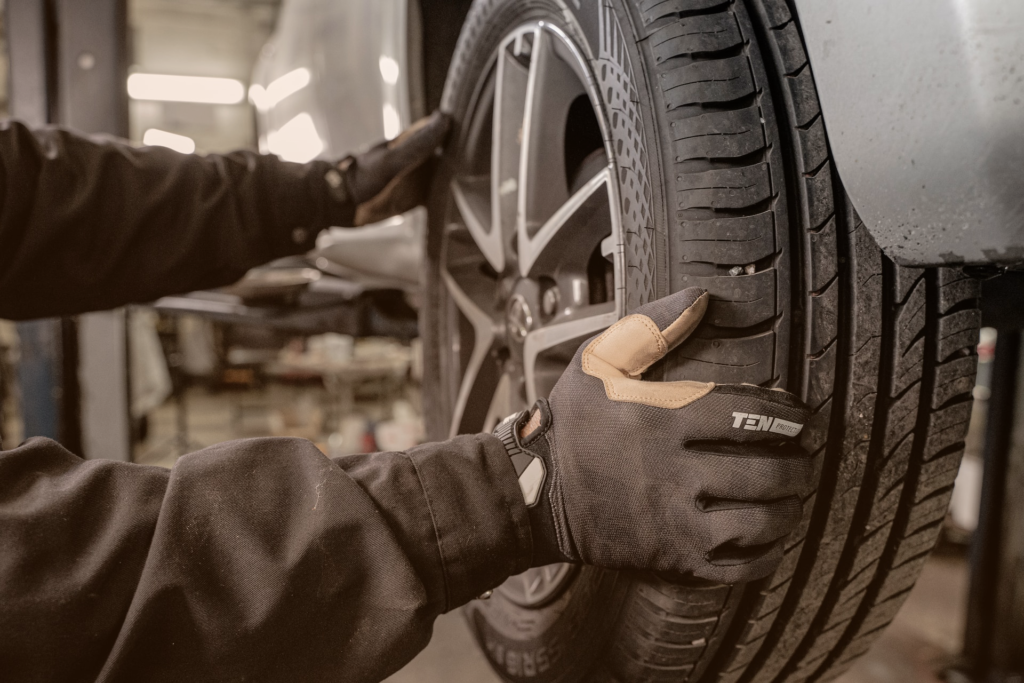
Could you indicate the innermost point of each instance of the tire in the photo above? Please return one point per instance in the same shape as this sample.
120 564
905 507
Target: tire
725 181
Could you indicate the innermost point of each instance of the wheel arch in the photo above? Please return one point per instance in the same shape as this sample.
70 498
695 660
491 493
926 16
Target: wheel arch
922 109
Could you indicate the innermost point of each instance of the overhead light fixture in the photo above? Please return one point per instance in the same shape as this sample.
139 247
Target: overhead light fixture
389 70
199 89
154 137
279 89
392 123
296 140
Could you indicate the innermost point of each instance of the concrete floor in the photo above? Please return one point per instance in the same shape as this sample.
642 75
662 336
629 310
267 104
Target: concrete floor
925 635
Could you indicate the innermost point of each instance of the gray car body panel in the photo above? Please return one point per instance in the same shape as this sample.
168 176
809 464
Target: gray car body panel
923 101
361 89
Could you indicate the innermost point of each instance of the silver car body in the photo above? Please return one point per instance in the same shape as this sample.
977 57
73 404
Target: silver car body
923 101
334 79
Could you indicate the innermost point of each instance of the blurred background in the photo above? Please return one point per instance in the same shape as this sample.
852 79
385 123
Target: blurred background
322 347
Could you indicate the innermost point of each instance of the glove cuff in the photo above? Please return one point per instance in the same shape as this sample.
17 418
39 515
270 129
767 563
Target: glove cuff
531 460
530 468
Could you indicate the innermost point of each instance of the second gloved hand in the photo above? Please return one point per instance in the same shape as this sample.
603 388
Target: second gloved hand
682 477
394 176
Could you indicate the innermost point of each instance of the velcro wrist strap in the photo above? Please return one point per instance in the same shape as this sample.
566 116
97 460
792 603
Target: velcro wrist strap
530 469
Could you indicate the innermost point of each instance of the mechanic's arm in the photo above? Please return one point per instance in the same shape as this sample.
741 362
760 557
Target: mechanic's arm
265 560
251 560
91 224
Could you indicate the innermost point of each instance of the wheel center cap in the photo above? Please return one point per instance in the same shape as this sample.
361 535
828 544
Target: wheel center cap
520 318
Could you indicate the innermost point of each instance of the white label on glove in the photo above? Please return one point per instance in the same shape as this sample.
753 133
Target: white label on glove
764 423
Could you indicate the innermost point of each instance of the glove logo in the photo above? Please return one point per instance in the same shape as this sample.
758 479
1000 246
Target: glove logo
764 423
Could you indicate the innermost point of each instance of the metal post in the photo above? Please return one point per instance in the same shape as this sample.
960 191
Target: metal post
994 633
47 390
69 66
92 98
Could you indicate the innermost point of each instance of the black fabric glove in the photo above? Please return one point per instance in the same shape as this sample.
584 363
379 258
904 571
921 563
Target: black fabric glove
679 477
394 176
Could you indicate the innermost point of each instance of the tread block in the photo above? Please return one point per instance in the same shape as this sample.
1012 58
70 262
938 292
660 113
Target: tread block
822 256
718 135
881 614
725 188
824 643
929 511
652 10
822 372
778 13
937 474
953 292
852 596
773 598
723 360
670 629
791 47
819 195
688 602
906 279
907 367
920 541
954 379
816 433
910 318
824 317
813 145
947 428
746 654
804 96
719 80
736 240
870 550
700 33
902 417
958 331
736 301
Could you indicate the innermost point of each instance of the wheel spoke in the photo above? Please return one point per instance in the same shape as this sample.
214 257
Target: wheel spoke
552 88
479 375
591 320
473 209
510 92
503 403
577 214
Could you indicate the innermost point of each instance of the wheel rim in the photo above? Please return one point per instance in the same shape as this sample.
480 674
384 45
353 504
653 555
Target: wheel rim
532 255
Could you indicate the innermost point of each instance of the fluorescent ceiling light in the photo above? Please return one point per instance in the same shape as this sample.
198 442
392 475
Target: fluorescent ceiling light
392 124
389 70
155 137
201 89
280 89
296 140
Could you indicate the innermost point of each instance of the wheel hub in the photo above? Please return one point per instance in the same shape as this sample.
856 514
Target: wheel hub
519 319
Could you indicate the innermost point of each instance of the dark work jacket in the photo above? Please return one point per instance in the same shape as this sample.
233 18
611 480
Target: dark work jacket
257 560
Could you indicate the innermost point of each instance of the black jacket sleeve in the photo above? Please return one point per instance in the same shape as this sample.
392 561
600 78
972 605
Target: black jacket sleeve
253 560
91 224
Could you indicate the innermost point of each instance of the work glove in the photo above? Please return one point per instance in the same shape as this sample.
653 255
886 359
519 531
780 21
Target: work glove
394 176
678 477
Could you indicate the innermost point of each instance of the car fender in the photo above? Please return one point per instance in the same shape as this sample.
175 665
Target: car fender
923 101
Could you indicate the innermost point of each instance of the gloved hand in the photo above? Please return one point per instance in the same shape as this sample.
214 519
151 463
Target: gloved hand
680 477
394 176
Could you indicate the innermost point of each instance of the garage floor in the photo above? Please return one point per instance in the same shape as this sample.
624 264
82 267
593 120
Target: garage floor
925 636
